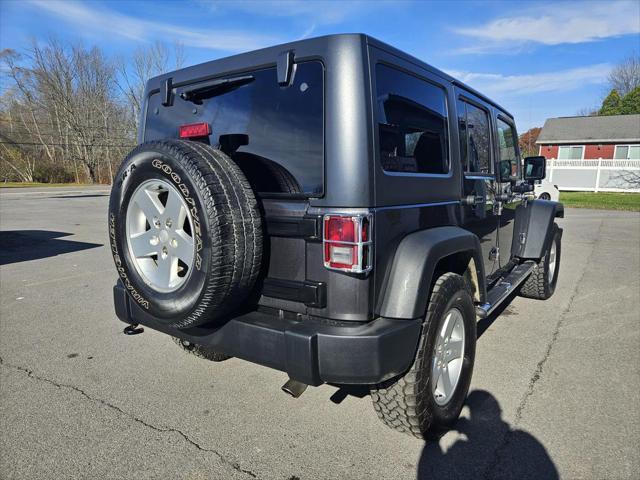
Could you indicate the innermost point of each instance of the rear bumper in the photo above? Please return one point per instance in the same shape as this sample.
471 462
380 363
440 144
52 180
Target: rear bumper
310 351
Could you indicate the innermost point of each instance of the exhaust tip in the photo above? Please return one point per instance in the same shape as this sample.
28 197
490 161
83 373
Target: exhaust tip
294 388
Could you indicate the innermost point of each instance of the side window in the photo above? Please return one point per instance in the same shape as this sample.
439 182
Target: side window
508 165
412 123
473 123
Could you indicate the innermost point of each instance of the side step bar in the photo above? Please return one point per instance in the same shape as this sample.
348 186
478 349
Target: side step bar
504 288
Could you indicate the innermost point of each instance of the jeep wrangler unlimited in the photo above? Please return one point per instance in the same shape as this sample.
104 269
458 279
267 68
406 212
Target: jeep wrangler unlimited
335 209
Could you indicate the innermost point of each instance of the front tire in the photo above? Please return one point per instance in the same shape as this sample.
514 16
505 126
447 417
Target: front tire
541 284
427 400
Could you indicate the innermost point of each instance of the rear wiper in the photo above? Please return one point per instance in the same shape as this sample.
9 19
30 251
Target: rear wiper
214 88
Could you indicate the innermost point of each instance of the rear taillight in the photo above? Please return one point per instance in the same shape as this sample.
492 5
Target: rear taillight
347 243
193 130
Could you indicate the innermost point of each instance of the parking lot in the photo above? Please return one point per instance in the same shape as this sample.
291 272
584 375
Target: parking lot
555 393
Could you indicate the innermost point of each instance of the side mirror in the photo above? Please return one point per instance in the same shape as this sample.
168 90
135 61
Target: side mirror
535 168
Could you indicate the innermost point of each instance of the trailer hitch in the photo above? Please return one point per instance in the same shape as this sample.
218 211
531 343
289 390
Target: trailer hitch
132 329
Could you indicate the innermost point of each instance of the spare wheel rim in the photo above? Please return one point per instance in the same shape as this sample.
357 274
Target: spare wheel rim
159 230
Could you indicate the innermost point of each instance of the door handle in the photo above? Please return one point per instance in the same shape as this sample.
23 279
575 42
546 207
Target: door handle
473 200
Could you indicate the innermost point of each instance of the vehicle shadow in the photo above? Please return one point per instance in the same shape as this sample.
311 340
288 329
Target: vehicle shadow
487 448
24 245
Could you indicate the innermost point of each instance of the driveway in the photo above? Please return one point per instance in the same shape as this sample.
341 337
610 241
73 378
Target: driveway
555 391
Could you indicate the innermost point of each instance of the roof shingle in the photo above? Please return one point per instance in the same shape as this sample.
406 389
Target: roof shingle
601 129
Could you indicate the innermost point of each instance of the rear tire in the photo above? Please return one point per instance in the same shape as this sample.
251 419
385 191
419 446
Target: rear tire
541 284
201 351
544 196
413 403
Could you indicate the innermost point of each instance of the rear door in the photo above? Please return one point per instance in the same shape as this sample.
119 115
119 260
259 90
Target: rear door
508 170
478 182
276 136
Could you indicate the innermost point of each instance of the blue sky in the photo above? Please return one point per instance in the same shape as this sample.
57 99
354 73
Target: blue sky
538 59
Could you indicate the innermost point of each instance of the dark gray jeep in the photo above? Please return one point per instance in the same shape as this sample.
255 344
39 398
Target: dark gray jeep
335 209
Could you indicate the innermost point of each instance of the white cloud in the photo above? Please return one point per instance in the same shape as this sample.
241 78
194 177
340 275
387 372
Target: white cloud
89 18
554 24
494 84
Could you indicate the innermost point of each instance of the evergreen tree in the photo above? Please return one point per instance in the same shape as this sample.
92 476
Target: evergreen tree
611 104
630 102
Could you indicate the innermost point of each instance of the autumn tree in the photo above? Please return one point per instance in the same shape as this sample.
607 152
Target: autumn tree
527 142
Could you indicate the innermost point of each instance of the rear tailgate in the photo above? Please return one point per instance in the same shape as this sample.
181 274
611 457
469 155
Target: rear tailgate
276 136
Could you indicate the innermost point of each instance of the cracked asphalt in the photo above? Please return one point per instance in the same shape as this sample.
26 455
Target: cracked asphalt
555 393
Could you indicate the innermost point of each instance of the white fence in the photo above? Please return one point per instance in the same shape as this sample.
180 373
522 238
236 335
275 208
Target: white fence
595 175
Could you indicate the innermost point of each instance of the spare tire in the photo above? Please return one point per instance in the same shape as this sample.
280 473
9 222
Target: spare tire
185 231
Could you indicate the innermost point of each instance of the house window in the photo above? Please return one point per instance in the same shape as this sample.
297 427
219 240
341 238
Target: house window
627 152
570 153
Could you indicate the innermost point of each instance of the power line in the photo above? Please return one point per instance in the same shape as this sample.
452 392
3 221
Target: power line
95 127
67 144
58 135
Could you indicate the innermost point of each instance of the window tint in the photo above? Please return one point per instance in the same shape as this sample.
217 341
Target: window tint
473 123
508 155
412 123
570 153
274 134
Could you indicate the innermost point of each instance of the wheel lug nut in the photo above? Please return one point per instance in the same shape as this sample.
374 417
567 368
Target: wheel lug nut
154 240
168 222
156 222
174 243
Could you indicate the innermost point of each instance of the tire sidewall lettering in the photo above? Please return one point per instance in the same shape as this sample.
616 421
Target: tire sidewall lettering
184 190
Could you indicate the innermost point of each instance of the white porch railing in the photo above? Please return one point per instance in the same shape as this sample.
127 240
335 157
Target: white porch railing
595 175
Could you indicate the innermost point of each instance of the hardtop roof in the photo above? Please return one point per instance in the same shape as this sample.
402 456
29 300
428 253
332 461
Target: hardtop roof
347 38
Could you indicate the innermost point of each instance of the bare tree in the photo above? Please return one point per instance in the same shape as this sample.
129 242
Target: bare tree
625 76
66 112
145 63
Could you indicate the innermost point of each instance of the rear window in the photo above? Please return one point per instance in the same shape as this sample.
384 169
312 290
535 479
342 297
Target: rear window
475 138
412 123
274 134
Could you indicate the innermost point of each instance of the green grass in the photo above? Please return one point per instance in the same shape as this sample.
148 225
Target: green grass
38 184
602 201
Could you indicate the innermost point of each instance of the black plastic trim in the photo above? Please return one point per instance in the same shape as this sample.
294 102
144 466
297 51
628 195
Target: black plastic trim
532 230
409 284
305 227
312 294
167 92
310 351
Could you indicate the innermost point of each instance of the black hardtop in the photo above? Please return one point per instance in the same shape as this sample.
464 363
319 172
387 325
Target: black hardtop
316 47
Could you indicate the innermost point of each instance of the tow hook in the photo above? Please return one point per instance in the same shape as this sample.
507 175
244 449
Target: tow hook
132 329
294 388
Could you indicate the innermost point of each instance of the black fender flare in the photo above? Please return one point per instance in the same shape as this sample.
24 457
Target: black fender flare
533 228
414 262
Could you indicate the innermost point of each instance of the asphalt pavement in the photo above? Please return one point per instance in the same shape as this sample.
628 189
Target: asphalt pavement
555 391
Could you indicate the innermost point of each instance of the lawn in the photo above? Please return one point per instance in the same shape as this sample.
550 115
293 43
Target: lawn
602 201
